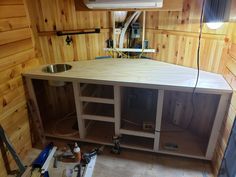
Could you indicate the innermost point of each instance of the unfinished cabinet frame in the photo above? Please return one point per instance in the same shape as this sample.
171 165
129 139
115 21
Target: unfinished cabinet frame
101 128
159 114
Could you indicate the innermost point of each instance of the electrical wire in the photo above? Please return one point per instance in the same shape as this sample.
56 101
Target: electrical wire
197 78
60 121
198 66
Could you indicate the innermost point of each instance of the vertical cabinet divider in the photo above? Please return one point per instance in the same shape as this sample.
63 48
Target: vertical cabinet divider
158 119
117 108
81 124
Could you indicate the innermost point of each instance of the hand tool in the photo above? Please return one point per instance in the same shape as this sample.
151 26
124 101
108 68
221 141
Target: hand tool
11 149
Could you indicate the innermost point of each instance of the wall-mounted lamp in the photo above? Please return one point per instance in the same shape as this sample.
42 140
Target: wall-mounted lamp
216 12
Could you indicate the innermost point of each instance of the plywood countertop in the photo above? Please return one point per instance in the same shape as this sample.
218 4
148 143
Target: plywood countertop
138 72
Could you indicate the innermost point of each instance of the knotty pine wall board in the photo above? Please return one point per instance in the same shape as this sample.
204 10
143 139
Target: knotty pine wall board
173 34
17 55
229 73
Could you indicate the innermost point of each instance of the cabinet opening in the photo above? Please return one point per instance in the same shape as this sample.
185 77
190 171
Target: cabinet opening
98 109
138 109
99 131
57 108
137 142
98 91
187 122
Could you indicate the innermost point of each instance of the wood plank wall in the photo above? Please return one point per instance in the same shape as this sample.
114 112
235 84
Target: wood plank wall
16 55
173 34
229 72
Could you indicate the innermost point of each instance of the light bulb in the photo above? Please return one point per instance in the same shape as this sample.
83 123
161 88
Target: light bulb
214 25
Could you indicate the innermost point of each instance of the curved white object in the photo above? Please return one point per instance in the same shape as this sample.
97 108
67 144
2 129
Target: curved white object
122 36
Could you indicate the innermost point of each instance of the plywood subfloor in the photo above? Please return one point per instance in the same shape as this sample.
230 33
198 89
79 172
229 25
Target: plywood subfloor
142 164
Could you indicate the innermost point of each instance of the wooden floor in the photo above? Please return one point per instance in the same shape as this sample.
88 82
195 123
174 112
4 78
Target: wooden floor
141 164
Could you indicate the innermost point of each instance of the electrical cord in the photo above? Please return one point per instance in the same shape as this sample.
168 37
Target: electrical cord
198 66
197 79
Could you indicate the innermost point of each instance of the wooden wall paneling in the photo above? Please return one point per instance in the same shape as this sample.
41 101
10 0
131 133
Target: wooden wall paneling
80 47
11 2
15 35
16 11
229 73
13 48
7 24
17 55
180 49
16 59
65 15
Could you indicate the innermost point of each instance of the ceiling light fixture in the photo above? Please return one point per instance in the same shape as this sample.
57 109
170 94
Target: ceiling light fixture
216 12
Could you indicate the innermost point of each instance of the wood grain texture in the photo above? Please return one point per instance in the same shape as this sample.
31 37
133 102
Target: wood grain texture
7 24
229 73
17 55
16 11
141 72
174 34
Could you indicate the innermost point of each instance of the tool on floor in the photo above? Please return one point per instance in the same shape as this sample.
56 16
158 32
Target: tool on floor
116 149
11 149
41 163
86 161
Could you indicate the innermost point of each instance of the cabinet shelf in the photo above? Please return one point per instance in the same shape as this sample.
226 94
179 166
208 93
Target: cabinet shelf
97 91
97 100
137 133
100 132
98 109
138 109
137 142
98 118
186 143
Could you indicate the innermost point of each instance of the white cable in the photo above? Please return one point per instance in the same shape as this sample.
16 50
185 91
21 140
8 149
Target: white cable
122 35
